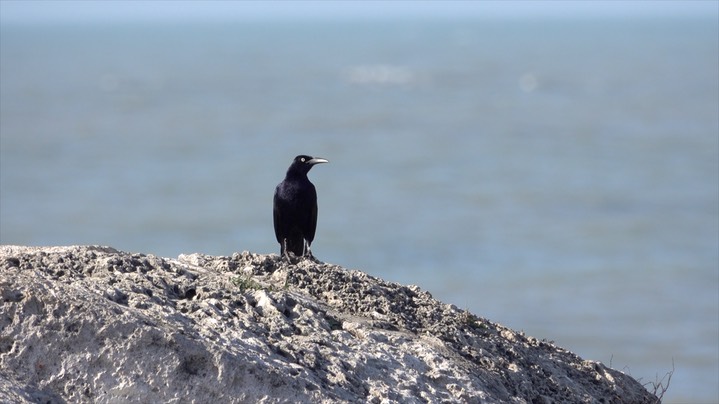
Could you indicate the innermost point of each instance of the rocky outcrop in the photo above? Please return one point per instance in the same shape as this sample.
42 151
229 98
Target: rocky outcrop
93 324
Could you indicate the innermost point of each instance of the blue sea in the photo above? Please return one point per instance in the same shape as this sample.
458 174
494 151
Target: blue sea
559 177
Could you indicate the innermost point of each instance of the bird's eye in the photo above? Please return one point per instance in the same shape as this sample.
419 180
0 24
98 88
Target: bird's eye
302 159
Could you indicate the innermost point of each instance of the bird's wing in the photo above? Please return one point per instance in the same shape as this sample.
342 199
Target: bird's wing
310 234
277 219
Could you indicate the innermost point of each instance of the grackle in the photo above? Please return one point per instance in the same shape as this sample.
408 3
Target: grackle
295 208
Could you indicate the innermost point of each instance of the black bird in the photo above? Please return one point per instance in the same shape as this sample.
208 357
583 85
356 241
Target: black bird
295 208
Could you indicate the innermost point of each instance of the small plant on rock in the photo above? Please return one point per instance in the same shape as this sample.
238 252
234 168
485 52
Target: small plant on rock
245 282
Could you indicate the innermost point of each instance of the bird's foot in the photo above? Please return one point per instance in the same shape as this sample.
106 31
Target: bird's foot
308 252
309 256
289 257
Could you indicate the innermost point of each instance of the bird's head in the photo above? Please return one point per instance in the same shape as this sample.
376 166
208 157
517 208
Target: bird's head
303 163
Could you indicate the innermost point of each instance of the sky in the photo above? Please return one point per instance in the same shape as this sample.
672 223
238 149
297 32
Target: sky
79 11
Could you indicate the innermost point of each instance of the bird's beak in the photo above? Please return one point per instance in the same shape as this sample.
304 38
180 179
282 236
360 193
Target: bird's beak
317 160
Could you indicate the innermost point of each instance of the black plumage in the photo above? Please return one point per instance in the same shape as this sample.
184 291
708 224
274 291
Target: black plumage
295 208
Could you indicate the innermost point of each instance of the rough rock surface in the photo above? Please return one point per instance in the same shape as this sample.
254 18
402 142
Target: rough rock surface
93 324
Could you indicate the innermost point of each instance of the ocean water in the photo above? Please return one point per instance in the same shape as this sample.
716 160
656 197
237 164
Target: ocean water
557 177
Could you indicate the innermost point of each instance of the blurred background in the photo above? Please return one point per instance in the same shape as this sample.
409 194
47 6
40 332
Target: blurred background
553 167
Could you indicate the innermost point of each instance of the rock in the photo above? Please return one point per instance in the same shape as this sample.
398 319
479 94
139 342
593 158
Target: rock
93 324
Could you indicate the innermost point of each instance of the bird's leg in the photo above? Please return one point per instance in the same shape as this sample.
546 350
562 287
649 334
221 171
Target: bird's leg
284 252
308 251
